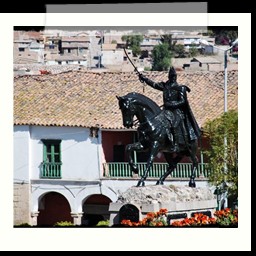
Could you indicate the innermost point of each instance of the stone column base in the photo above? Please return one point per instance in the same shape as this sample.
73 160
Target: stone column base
34 216
77 218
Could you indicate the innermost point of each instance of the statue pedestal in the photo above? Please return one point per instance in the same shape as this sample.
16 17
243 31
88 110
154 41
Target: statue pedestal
180 201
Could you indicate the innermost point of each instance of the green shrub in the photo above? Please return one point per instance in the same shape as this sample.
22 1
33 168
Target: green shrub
63 224
103 223
23 225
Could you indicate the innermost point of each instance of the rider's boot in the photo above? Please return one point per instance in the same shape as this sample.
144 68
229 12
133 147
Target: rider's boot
176 147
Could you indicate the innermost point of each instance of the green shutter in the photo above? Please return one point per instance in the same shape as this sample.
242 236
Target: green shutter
51 166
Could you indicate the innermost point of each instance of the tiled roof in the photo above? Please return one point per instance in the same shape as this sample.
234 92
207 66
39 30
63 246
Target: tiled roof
80 98
68 57
75 39
75 45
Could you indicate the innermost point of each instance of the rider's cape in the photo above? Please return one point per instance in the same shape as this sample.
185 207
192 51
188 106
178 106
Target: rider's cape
189 114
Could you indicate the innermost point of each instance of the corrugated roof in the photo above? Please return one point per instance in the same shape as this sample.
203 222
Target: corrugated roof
80 98
206 60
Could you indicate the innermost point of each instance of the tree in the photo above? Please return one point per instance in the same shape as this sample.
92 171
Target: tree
161 57
167 39
193 51
224 37
216 129
133 41
179 50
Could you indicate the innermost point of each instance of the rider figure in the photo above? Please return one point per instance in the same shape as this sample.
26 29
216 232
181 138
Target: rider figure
176 103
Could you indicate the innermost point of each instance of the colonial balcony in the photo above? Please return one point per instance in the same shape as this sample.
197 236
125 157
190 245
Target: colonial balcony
51 170
183 170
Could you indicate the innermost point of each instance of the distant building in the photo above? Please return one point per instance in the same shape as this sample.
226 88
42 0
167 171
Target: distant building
28 51
75 45
67 59
189 40
111 55
205 63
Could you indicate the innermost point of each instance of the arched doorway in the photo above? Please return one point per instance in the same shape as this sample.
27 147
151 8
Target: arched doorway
95 209
53 207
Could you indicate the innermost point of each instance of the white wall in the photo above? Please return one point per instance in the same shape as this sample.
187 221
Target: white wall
112 57
21 154
51 62
80 153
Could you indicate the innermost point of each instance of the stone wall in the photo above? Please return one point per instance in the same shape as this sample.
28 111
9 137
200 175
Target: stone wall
21 209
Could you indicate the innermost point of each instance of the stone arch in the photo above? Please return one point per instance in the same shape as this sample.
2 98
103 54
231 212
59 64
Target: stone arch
93 190
95 209
38 194
49 214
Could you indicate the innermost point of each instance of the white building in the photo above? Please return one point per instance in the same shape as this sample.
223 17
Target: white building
69 143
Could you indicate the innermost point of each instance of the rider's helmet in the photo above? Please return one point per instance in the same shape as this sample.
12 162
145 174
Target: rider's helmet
172 76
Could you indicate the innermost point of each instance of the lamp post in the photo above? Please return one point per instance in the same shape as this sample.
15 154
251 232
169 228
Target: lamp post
217 192
204 42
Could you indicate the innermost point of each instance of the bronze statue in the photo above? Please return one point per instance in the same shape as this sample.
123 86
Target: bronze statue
153 136
177 109
171 130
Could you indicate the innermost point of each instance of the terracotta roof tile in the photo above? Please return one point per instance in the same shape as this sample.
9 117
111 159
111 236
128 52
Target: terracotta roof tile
80 98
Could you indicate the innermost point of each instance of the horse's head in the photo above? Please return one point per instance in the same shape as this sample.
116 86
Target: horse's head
127 110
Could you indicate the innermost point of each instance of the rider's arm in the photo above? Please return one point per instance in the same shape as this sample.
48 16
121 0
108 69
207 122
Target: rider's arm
158 86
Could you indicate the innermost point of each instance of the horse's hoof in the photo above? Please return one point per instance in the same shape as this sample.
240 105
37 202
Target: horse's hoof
141 184
135 170
159 182
192 184
138 184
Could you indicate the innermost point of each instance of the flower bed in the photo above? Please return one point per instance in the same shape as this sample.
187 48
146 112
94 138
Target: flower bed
222 218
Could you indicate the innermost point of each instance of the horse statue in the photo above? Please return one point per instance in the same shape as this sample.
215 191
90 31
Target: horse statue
153 136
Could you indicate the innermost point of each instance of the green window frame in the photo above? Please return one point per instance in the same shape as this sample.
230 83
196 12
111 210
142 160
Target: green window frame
51 165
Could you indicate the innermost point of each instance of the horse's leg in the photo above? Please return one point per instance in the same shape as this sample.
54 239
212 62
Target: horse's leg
153 152
172 164
129 149
194 159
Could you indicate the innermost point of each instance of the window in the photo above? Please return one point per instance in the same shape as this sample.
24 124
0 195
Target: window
51 165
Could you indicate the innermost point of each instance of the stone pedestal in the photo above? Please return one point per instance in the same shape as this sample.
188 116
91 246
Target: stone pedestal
180 201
